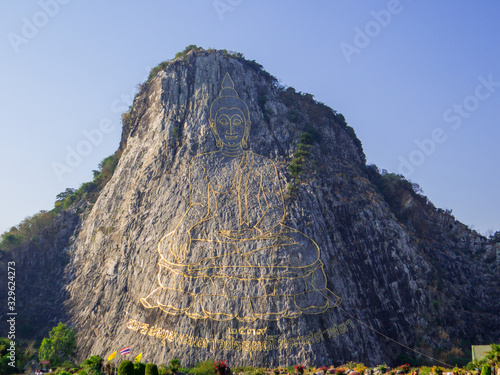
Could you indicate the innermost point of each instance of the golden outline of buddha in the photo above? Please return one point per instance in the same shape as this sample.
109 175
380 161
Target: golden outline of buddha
230 256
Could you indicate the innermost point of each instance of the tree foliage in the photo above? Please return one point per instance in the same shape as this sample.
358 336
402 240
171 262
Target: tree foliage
32 228
89 191
5 359
494 354
60 346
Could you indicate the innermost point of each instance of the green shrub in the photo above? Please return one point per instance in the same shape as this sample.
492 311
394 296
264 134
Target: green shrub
162 369
238 369
296 167
382 368
186 50
203 368
139 368
89 191
126 368
175 365
486 370
306 138
151 369
92 365
158 68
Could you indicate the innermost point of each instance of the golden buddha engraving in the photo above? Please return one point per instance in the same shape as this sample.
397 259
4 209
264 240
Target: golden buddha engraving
231 256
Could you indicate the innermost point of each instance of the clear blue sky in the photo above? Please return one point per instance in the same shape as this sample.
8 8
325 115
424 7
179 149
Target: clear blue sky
400 71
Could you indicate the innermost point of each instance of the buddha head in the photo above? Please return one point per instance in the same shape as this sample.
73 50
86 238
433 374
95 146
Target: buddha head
229 117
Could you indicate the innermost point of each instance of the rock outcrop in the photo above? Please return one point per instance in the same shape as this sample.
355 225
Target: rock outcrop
288 249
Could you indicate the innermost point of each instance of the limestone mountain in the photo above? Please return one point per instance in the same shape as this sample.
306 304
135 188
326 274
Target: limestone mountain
242 223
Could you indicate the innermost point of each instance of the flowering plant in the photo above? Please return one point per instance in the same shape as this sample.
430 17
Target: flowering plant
404 369
300 368
324 368
221 367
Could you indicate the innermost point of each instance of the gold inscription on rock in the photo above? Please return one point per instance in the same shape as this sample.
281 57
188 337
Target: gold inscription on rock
267 343
246 331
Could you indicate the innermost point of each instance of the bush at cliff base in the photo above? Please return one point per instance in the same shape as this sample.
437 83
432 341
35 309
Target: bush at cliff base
126 368
486 370
203 368
139 368
151 369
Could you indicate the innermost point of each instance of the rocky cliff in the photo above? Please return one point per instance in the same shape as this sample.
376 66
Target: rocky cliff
242 223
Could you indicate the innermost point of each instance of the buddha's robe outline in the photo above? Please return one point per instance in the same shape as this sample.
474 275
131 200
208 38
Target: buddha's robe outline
222 262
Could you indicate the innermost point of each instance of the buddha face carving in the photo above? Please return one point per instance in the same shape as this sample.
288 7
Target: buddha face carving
230 125
229 117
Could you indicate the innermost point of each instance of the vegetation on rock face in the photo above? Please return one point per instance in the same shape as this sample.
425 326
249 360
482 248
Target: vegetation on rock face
34 228
89 191
192 47
404 198
302 152
43 225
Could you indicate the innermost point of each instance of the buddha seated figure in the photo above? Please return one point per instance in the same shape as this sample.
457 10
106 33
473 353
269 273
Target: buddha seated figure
231 256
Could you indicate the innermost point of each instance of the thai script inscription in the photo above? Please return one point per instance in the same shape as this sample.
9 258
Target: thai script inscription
266 343
246 331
